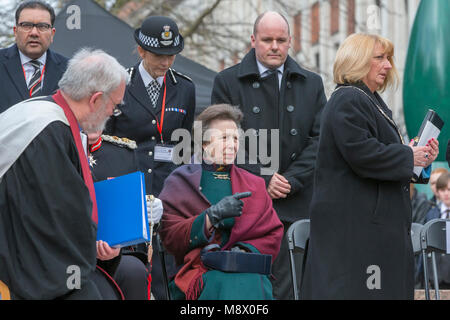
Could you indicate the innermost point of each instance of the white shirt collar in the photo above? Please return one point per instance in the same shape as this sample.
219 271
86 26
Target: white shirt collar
146 77
24 59
443 208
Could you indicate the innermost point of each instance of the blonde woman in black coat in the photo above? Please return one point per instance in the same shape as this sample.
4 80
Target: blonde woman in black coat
360 241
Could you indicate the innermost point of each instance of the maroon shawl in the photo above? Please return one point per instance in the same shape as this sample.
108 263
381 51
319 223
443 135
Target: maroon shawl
258 225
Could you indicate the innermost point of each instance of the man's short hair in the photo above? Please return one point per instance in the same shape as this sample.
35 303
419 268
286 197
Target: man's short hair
258 19
442 181
35 4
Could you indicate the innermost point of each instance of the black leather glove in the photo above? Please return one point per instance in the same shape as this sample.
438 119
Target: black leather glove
230 206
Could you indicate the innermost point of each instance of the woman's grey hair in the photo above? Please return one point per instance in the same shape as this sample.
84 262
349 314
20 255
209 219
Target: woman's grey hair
91 71
217 112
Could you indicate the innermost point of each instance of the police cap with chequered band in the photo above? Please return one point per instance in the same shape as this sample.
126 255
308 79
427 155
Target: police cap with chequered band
159 35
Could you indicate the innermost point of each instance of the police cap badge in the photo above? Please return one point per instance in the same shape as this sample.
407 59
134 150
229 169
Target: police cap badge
159 35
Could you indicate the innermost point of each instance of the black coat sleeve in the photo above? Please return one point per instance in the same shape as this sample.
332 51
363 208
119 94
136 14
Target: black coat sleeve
46 231
302 168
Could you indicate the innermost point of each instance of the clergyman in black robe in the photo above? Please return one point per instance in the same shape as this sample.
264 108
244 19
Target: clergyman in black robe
47 200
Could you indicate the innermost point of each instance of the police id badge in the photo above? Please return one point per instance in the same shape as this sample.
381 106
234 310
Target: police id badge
163 153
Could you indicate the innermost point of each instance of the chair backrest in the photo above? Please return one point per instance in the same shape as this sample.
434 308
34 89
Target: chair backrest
298 235
416 229
433 239
434 236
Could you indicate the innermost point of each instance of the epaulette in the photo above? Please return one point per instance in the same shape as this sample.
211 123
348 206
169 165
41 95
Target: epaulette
172 73
123 142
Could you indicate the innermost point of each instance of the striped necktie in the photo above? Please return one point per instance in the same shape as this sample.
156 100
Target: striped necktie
34 86
269 72
153 92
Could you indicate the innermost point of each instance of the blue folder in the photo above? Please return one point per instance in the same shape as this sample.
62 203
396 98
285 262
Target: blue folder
122 210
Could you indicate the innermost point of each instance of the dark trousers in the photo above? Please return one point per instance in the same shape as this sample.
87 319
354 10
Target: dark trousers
281 270
105 287
131 276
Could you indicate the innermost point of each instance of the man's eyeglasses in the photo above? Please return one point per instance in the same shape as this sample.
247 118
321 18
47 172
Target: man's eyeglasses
28 26
116 112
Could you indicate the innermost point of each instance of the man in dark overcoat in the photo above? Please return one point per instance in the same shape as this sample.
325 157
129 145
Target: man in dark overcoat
277 95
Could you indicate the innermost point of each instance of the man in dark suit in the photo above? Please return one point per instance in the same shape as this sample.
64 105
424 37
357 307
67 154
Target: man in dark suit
29 68
275 93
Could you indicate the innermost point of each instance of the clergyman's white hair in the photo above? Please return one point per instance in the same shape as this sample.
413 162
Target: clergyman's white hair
90 71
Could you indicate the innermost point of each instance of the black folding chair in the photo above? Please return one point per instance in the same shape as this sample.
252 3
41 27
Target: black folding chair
297 237
433 240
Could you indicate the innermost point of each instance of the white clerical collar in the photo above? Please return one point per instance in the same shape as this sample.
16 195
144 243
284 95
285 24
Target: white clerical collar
146 77
24 59
262 68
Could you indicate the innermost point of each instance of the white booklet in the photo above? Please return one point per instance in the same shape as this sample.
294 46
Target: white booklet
431 128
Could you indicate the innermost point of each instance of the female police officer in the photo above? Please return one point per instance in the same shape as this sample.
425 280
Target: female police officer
157 101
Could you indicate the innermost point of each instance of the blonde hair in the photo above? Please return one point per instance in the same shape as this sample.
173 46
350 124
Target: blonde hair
439 171
353 59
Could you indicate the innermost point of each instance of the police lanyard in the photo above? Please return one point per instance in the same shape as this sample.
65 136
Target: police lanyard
159 124
40 78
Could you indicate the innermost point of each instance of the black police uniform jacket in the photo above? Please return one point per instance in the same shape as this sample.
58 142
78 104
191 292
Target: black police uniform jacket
295 111
360 241
138 121
13 87
113 159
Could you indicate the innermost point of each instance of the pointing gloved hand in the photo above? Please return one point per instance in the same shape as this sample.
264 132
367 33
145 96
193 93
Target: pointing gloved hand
230 206
154 209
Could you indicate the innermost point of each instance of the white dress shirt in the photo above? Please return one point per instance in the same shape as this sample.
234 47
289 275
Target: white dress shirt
444 211
28 67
